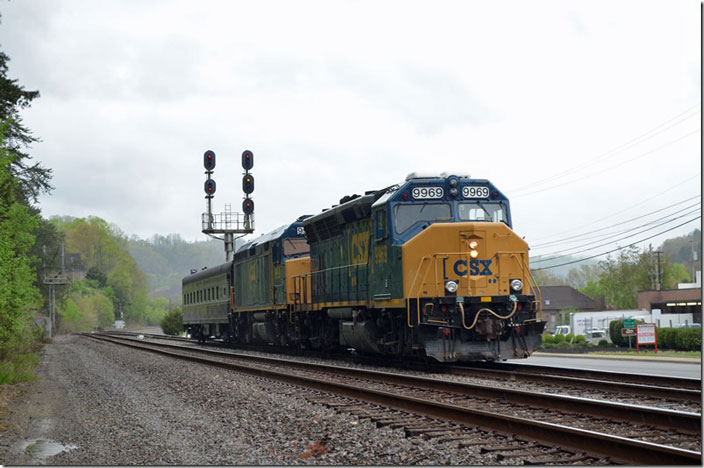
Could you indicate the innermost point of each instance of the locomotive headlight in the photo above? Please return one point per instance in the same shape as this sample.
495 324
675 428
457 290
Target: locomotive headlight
451 287
516 284
473 244
473 253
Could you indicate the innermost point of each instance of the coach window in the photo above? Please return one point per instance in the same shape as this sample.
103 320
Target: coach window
406 216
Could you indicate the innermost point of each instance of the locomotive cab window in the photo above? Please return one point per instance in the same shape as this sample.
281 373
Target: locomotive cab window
295 247
479 211
406 216
380 224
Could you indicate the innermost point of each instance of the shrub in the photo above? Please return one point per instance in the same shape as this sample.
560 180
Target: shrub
688 339
548 345
557 339
547 339
172 323
569 338
667 337
580 339
615 333
603 343
564 345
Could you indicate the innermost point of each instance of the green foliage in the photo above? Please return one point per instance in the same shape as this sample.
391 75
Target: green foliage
156 310
172 323
676 273
615 333
580 339
547 339
603 343
113 272
32 179
667 338
18 368
679 250
623 276
18 295
165 260
583 275
569 337
688 339
557 339
547 278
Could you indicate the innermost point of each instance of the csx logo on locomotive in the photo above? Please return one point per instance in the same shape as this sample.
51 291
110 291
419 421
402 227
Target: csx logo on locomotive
476 268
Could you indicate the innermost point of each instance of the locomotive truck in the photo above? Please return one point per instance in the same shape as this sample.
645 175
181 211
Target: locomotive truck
430 267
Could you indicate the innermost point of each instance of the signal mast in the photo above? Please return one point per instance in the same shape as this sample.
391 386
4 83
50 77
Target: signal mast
228 223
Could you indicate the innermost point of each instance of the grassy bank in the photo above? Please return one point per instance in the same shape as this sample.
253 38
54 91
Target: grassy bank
19 368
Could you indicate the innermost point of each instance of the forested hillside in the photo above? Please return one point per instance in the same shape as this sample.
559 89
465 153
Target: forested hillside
165 260
679 250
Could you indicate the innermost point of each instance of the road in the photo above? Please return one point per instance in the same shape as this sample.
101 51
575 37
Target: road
654 366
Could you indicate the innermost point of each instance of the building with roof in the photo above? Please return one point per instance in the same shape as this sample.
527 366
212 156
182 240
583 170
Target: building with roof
558 299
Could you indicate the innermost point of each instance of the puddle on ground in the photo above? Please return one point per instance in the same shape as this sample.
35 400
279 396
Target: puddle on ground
43 448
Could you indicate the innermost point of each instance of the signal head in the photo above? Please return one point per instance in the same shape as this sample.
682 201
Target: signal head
247 160
248 206
209 160
209 187
248 183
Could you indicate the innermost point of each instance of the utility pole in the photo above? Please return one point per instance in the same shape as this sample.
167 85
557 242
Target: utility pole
658 284
225 223
53 279
694 258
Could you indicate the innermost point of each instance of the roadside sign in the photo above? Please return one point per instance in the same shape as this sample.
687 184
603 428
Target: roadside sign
628 332
646 334
629 323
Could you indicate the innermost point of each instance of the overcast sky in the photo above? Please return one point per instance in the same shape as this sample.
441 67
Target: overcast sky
584 113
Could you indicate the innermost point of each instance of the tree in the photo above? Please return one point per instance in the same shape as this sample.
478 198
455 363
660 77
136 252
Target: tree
547 278
33 178
18 295
172 323
581 276
628 273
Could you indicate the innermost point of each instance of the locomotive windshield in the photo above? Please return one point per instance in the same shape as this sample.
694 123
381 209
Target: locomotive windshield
480 211
295 247
406 216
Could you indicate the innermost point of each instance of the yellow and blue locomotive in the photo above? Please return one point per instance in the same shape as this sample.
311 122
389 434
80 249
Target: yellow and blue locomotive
430 267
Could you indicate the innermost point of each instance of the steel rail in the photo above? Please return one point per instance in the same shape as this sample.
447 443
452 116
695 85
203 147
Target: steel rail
618 448
657 380
663 392
673 388
685 421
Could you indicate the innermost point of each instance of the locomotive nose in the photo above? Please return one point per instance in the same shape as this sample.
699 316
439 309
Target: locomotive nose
481 259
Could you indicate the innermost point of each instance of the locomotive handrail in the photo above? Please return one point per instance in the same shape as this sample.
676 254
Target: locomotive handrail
539 296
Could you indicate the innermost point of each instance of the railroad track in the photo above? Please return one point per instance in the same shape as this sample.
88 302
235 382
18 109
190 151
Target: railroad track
644 389
646 435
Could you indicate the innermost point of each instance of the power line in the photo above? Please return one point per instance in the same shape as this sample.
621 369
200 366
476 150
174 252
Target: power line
553 186
628 208
558 241
615 250
623 238
629 144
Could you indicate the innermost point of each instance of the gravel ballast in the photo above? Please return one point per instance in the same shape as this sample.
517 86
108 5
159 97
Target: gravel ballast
106 404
